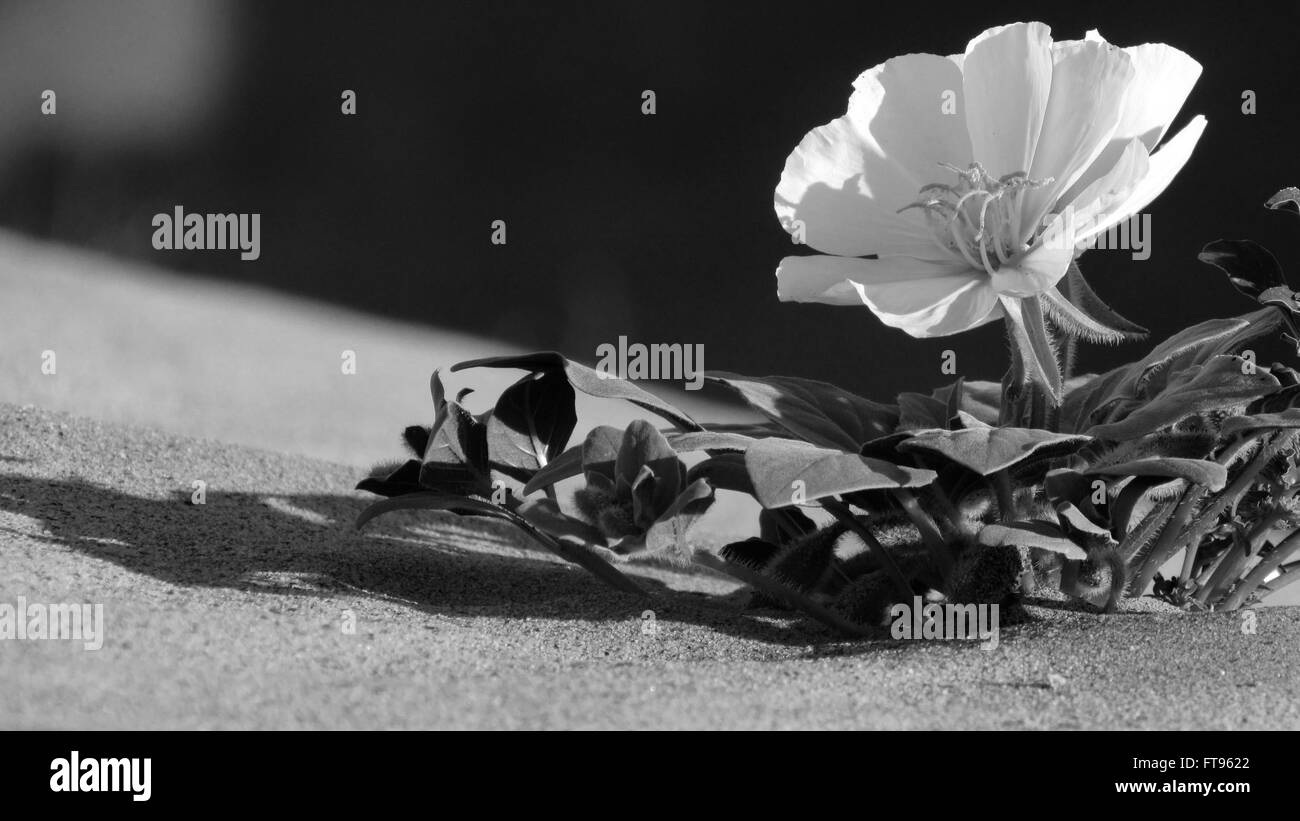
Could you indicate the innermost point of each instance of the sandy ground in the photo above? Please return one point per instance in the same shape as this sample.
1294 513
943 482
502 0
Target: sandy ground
232 614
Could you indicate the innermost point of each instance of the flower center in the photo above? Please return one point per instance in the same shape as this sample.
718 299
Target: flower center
978 217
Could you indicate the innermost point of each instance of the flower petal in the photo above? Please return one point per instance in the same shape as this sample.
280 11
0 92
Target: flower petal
1007 77
1163 77
1163 166
846 180
1088 83
1104 202
921 297
1042 266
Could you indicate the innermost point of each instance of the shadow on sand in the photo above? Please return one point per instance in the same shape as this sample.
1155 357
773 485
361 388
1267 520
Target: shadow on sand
307 545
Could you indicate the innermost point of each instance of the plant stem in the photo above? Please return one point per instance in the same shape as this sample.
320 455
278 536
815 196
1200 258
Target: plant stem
929 532
1168 542
1001 482
1259 572
841 511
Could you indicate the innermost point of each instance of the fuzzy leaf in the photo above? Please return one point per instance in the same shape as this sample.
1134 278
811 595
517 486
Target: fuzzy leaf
1260 421
546 514
916 411
456 459
1217 385
667 536
775 465
587 380
817 412
643 446
986 450
1087 400
405 479
1285 197
1080 294
1199 471
753 552
1042 535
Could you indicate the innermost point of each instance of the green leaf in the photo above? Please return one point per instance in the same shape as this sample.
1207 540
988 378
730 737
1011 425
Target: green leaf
1199 471
531 423
456 459
979 398
589 381
1080 294
431 500
725 471
1260 421
565 466
1217 385
546 514
643 446
986 450
817 412
1042 535
776 465
405 479
920 412
1091 398
600 452
710 441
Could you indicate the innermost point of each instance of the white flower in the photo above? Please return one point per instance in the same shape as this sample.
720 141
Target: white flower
1041 145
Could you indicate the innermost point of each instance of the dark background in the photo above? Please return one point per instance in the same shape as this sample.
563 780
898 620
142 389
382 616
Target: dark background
655 227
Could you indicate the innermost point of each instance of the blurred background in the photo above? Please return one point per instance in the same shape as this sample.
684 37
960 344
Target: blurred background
655 227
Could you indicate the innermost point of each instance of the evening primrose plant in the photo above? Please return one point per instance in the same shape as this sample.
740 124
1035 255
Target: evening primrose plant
955 192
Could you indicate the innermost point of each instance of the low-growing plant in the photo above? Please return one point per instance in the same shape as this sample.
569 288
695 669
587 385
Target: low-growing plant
1175 475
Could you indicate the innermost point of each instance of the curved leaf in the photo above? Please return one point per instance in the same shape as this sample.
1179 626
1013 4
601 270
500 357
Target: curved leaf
1251 268
726 471
565 466
817 412
776 465
588 380
1084 402
1042 535
1217 385
986 450
1260 421
1199 471
531 422
709 440
1285 197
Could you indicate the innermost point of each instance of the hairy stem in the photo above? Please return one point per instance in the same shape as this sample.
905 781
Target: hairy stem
841 511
